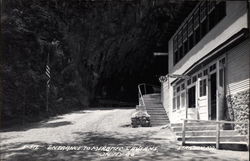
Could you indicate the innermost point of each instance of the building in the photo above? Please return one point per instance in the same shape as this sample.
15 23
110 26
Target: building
210 56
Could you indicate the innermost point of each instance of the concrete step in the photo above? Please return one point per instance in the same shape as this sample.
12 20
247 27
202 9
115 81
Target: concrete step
160 120
148 102
155 108
213 139
153 105
159 117
192 124
160 111
155 114
159 123
194 128
208 133
152 116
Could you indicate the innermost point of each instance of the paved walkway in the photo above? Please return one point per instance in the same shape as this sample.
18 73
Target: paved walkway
100 134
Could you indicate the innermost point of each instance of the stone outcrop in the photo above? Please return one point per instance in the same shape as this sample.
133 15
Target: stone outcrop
238 109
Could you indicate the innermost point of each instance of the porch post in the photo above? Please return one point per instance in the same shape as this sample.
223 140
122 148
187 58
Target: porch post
186 100
217 91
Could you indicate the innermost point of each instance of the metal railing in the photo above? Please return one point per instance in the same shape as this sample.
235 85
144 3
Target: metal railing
144 88
218 123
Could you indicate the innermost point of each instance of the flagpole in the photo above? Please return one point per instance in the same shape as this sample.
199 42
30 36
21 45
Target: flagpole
47 83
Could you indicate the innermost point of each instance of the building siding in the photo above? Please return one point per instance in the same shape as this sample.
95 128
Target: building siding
238 68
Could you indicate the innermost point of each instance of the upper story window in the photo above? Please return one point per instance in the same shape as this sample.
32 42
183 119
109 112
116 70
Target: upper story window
201 21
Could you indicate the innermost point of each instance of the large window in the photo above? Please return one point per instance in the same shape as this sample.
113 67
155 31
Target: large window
202 20
203 87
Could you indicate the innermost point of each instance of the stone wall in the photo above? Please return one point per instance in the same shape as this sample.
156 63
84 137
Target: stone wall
238 109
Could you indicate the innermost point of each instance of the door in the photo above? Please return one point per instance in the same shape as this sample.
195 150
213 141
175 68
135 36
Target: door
191 102
213 98
202 98
220 88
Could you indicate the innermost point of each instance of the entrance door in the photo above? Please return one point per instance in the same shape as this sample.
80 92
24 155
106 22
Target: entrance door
220 88
213 93
202 101
191 102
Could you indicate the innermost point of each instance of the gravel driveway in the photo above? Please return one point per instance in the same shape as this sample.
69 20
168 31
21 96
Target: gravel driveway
100 134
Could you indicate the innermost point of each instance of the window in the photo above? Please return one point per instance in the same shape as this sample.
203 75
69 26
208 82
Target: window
212 67
204 18
189 82
205 72
178 102
179 97
190 34
191 97
200 75
183 99
185 41
182 86
178 89
221 77
220 10
203 87
174 99
221 72
197 26
174 104
194 79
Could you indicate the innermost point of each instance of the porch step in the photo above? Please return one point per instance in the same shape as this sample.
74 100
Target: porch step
208 133
195 128
204 133
213 138
192 123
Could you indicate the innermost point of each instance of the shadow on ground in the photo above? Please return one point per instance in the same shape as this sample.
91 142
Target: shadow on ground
167 149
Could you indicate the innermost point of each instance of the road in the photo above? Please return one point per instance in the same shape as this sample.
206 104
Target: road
100 134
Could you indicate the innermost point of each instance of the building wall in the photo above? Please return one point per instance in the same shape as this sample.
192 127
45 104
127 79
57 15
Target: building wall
165 96
228 26
238 84
238 68
232 23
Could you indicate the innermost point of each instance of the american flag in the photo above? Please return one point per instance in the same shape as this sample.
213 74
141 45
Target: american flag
47 72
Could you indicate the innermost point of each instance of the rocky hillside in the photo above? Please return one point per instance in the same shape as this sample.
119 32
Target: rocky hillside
97 49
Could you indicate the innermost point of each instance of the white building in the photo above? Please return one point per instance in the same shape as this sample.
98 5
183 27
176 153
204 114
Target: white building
212 47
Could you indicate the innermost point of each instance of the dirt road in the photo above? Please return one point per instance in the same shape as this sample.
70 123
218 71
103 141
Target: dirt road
100 134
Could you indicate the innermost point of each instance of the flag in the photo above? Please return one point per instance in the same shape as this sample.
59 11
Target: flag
47 72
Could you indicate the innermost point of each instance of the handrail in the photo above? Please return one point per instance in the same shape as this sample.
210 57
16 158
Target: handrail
140 94
217 129
149 85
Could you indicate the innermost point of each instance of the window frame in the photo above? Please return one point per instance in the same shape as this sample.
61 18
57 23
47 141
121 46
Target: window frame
202 19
